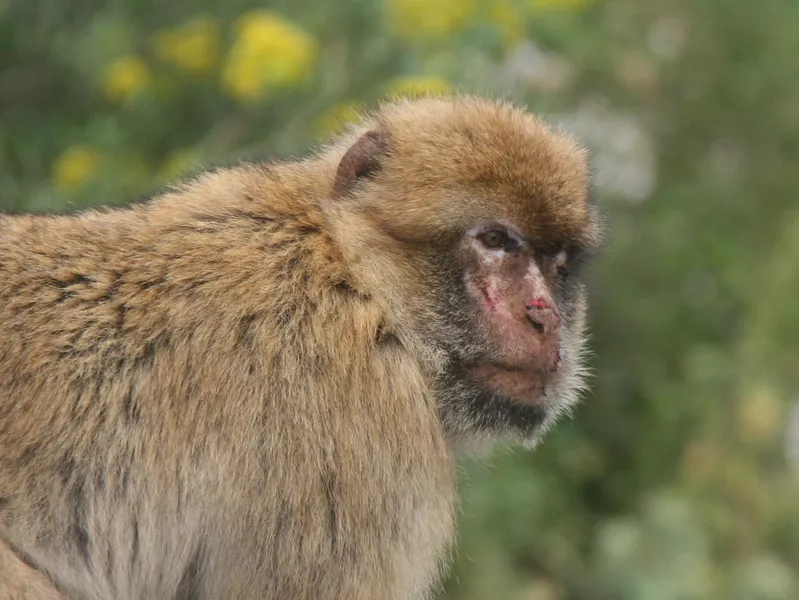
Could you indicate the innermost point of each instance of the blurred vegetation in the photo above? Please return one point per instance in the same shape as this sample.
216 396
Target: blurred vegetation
678 479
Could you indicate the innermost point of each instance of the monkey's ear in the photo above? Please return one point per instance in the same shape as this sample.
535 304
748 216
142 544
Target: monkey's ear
361 161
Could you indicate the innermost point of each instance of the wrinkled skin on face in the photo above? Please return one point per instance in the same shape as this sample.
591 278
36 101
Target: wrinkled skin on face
510 295
526 306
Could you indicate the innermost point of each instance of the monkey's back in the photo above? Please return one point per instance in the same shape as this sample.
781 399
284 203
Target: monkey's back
168 368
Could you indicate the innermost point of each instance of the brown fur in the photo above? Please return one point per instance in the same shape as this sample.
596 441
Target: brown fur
19 581
229 391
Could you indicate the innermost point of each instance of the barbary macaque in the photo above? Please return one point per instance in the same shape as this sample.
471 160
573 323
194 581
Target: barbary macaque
254 385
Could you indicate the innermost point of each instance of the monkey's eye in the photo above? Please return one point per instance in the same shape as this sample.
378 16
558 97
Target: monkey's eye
495 238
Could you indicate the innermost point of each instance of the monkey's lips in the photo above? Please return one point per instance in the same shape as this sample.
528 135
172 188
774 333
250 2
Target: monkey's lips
522 384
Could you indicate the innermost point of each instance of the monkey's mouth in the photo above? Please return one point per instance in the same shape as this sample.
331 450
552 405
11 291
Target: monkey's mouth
522 384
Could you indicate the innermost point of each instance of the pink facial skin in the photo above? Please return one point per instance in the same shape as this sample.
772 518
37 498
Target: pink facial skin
517 313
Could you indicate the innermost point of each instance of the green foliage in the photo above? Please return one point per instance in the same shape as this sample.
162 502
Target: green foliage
674 481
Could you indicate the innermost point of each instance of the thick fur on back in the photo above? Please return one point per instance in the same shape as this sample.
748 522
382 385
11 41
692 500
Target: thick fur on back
212 394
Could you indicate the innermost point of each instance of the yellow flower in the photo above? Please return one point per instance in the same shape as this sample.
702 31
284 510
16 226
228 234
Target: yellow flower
192 47
539 5
504 15
413 19
418 86
125 78
76 166
336 118
269 54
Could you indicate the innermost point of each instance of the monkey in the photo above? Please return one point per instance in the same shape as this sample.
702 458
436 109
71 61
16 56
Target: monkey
19 581
256 384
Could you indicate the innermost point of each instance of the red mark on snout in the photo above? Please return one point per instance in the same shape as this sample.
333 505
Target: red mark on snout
543 316
539 303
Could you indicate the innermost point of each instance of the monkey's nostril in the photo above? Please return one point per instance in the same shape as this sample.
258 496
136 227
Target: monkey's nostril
544 320
537 325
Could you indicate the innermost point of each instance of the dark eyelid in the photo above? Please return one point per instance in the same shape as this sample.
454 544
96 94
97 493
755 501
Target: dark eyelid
552 251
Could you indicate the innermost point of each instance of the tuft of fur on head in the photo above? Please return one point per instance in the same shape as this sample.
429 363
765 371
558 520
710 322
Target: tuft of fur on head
490 147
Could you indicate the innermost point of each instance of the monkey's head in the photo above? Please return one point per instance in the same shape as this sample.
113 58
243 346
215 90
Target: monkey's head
469 221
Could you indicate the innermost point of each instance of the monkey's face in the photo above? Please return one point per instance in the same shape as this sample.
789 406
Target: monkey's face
469 221
517 362
510 290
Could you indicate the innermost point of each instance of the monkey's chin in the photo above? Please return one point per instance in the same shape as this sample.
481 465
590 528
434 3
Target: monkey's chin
484 404
526 386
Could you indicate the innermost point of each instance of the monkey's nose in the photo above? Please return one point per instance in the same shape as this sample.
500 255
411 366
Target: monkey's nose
544 318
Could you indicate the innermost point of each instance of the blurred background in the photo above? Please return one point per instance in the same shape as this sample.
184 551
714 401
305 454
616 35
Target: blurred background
679 478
